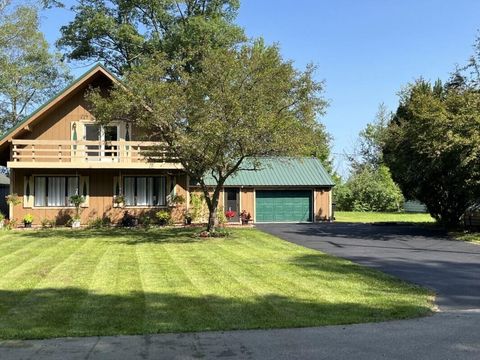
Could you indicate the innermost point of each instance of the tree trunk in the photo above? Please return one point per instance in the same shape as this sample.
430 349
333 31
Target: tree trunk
212 203
212 218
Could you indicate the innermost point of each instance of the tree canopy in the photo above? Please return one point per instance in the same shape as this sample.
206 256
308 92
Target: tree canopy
29 72
243 102
121 33
433 147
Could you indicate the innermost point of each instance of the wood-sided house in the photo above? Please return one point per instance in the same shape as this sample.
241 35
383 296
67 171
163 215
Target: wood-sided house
60 150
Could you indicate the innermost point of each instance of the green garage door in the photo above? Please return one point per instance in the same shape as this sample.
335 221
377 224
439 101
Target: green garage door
283 206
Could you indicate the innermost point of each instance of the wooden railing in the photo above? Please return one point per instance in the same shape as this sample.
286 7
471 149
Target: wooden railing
65 151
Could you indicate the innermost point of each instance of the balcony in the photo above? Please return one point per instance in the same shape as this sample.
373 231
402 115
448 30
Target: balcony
90 154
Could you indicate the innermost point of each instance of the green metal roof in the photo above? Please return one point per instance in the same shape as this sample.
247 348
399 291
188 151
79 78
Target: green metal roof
73 83
280 171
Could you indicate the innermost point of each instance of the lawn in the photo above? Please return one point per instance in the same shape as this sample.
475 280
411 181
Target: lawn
473 237
372 217
103 282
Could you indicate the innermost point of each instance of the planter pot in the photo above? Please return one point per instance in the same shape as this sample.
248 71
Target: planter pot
188 221
76 224
28 225
245 222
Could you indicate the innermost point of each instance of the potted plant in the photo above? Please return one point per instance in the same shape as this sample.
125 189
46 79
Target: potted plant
188 218
175 200
28 220
119 200
76 200
13 199
245 216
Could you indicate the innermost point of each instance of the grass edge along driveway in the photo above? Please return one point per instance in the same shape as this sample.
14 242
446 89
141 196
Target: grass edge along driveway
56 283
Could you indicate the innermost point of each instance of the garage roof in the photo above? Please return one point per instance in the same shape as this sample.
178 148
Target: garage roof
280 171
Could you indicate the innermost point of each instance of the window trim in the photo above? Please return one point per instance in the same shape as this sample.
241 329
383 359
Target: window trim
46 206
135 177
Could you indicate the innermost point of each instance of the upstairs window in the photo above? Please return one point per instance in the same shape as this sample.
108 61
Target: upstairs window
55 191
144 190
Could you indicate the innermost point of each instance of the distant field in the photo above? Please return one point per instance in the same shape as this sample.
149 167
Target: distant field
372 217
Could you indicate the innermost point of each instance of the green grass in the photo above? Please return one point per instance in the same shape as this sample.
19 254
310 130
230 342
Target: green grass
57 283
473 237
372 217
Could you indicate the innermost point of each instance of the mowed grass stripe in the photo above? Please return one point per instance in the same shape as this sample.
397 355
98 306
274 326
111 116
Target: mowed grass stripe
163 299
50 306
27 273
227 297
26 251
193 294
115 289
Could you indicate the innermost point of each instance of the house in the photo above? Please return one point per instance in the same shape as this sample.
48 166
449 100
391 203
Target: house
60 150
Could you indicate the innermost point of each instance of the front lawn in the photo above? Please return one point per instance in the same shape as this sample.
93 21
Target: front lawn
103 282
373 217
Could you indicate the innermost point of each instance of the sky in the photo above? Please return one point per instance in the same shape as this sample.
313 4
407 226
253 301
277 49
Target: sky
365 50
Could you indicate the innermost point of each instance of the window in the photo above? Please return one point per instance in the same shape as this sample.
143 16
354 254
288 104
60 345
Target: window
55 190
144 190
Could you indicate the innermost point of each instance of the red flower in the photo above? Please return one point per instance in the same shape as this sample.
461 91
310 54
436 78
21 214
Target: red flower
230 214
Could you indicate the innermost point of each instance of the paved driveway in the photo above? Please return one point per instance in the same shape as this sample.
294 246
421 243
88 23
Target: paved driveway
423 256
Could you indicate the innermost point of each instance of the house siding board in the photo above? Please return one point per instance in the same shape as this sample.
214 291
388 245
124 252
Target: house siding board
100 197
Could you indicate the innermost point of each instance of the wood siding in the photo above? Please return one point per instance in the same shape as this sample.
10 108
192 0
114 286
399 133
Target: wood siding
101 191
323 204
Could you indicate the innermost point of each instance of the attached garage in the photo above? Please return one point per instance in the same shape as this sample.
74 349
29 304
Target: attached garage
278 189
283 205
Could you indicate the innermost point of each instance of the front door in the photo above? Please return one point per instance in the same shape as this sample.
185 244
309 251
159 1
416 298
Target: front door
232 203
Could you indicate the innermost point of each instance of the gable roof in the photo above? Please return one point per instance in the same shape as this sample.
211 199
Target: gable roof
98 68
280 171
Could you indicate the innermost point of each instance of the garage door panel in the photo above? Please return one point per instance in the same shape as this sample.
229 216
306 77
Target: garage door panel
283 206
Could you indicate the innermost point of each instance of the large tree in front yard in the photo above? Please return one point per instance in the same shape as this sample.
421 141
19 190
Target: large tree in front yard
433 148
243 102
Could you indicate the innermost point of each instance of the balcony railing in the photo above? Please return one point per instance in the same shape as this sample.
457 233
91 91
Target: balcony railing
69 151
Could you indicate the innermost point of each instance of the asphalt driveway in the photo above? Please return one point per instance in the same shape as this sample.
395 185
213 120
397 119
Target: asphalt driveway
419 255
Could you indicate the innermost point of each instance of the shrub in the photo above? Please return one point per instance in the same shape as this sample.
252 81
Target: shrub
145 221
369 189
164 217
197 208
128 220
98 223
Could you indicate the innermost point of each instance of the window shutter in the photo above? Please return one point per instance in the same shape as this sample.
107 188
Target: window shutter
84 190
28 191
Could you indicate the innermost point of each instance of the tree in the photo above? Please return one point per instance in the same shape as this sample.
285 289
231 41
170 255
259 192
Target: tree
370 186
29 73
243 103
370 189
121 33
433 148
318 145
371 140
